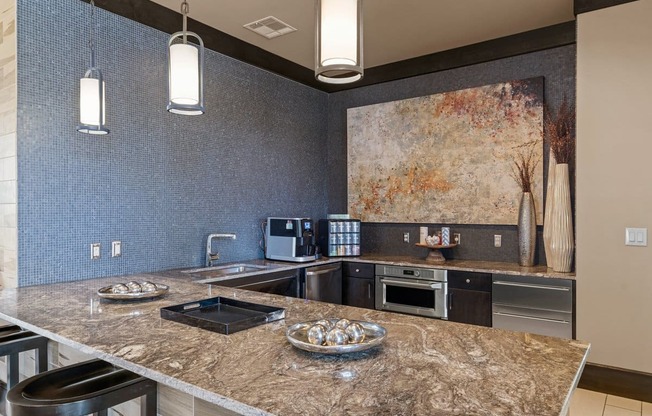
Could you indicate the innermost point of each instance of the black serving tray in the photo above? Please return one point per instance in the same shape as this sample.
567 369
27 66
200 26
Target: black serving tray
222 315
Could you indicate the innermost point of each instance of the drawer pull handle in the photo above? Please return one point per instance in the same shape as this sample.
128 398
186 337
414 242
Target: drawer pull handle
357 270
534 318
468 280
559 288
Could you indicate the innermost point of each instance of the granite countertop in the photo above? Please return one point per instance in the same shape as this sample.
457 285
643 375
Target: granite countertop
425 366
409 261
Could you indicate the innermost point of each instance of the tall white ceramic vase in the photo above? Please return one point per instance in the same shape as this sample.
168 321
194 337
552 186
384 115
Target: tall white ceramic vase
547 218
527 230
562 244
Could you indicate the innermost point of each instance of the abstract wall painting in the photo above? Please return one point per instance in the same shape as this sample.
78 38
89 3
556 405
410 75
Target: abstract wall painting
445 158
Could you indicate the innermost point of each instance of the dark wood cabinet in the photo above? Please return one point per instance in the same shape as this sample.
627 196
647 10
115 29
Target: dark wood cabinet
358 285
469 297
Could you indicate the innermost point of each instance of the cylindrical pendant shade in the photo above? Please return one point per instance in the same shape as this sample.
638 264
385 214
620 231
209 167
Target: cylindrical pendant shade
339 37
89 102
92 108
338 41
184 74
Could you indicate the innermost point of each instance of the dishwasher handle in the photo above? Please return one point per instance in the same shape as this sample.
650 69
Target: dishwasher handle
321 271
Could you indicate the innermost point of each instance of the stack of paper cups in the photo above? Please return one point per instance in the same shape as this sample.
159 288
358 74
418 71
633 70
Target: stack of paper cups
423 233
445 236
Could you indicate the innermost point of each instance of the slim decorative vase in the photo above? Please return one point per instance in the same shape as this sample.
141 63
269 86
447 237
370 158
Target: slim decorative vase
527 230
547 218
562 243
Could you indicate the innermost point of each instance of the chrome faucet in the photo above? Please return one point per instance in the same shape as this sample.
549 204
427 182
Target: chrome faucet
210 256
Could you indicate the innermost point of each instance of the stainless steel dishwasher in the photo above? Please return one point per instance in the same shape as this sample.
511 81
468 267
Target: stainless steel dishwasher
323 283
534 304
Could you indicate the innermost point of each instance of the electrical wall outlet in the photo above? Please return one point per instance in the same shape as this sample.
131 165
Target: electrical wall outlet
116 248
95 251
498 240
457 238
406 237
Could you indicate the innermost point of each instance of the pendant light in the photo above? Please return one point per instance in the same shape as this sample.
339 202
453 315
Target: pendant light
338 41
92 110
185 71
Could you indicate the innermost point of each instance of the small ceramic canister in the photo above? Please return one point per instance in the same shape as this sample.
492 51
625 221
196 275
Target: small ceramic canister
423 233
445 236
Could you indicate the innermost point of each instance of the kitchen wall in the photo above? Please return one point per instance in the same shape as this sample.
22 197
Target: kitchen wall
614 101
8 109
557 66
160 182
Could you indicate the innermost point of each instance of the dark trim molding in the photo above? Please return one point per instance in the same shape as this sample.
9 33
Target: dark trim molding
521 43
161 18
583 6
169 21
617 381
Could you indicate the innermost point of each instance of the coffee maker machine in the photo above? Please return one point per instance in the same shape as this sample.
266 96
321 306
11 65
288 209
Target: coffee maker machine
290 239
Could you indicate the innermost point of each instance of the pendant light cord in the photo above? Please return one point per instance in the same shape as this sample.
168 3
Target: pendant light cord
91 44
184 11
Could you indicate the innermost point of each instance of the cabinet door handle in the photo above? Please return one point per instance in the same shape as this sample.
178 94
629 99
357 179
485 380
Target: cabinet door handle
450 301
368 290
357 270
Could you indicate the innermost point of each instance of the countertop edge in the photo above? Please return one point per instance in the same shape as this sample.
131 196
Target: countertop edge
171 382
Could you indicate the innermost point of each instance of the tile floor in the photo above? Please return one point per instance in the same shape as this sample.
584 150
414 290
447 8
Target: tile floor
592 403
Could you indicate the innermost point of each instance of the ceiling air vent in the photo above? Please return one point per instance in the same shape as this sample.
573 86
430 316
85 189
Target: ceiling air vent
270 27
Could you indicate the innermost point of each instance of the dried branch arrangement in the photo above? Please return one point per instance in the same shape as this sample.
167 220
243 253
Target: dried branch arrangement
561 131
523 169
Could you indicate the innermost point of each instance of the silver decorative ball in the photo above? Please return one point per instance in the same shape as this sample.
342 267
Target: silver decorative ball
325 323
148 287
336 336
342 323
120 288
134 287
355 332
317 334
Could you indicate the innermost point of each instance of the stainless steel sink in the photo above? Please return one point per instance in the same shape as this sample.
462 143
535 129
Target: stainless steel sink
226 270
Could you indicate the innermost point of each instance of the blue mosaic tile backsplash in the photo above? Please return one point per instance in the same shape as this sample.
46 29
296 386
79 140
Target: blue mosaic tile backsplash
160 182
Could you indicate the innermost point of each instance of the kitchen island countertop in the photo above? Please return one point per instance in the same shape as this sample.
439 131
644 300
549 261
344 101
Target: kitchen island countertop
424 367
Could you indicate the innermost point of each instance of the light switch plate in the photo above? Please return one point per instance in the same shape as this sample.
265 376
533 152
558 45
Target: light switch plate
636 237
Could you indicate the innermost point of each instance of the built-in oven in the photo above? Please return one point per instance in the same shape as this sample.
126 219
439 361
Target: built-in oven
415 291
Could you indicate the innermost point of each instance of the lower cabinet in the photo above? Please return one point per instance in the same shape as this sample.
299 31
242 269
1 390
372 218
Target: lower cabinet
469 297
358 285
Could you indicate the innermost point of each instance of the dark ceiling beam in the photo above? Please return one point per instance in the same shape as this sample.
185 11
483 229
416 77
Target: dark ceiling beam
169 21
584 6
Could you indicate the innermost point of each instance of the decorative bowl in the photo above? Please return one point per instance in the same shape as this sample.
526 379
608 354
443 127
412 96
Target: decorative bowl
108 292
297 335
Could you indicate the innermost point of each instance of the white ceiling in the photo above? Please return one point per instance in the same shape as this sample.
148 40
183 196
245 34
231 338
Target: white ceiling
394 30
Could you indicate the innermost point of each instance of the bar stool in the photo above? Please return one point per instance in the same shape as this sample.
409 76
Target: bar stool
14 340
79 389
